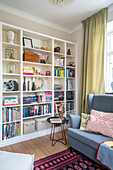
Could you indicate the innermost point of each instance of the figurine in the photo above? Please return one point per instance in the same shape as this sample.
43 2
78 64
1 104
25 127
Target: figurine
12 85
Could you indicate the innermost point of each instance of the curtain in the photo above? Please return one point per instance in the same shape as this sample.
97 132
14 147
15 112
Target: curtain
94 36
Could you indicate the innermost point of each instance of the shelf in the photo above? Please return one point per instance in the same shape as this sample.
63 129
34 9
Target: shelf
71 56
70 67
11 122
60 90
59 101
10 74
31 104
58 66
71 111
58 77
40 64
71 90
70 77
11 60
6 44
36 76
31 117
36 91
11 92
59 54
38 50
70 100
11 106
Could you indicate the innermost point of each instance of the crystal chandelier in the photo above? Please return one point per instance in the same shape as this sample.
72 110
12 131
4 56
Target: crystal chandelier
60 3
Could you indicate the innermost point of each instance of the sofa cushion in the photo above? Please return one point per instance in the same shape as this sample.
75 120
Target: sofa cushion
100 122
88 138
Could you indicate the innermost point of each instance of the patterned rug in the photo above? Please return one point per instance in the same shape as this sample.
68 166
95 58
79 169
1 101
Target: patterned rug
67 161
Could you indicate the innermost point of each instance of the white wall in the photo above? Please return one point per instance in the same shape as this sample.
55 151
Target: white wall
31 25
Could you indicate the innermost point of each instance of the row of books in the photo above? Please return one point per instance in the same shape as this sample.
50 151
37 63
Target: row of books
69 84
10 114
42 97
58 72
69 95
69 106
59 96
27 71
37 110
10 130
70 72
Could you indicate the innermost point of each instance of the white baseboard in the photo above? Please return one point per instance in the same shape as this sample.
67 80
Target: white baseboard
26 137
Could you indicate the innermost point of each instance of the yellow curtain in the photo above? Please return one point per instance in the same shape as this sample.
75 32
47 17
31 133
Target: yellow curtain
92 78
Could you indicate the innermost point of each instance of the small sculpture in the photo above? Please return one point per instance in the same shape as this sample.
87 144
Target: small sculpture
57 49
12 85
61 110
68 52
10 36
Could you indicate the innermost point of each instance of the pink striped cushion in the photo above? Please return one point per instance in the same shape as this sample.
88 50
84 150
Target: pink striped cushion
100 122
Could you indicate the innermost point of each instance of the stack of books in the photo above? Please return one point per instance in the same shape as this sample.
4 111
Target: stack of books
10 101
27 71
56 120
37 110
58 72
10 130
69 84
10 114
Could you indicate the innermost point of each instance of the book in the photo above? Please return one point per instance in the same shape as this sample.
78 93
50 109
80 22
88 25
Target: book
56 120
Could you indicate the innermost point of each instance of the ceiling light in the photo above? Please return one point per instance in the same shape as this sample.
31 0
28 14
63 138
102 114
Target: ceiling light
60 3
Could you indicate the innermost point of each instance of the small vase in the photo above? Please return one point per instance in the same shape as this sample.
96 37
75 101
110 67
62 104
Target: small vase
10 36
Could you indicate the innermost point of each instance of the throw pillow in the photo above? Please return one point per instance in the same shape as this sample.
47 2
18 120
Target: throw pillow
84 120
101 122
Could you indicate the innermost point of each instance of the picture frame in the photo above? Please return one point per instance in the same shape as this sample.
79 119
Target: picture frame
27 42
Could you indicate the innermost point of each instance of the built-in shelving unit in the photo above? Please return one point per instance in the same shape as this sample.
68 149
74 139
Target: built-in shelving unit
58 64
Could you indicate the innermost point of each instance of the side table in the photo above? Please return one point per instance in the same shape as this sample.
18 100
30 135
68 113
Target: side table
54 141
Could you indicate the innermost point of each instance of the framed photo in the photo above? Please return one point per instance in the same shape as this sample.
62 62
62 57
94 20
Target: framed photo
27 42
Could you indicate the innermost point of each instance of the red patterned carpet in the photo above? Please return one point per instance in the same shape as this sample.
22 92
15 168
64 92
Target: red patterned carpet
67 161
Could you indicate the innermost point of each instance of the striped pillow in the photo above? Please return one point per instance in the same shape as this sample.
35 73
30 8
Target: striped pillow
101 122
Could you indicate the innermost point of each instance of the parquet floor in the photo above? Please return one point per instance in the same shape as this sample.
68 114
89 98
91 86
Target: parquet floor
40 147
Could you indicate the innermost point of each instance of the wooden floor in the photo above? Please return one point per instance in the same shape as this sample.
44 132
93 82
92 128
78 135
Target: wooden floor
40 147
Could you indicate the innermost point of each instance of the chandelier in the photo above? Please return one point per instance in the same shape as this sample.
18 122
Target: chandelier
60 3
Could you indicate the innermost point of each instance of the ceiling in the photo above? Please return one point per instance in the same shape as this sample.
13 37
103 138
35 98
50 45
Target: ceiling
65 18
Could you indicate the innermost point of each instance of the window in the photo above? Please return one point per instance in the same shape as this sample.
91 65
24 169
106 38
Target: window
109 70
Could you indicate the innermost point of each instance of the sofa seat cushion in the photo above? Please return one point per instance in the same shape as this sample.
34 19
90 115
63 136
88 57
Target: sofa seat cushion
88 138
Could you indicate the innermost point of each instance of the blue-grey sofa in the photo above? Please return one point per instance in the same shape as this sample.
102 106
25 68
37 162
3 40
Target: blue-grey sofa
87 142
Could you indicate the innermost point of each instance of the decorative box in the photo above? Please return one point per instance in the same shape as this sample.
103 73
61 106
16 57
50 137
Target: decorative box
31 56
41 124
29 126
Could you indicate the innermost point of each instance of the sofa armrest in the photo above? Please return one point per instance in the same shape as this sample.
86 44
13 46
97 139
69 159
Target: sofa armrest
74 121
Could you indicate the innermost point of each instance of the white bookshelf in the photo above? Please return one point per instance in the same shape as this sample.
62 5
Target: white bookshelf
39 40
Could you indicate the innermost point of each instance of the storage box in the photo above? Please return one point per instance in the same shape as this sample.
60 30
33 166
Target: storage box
29 126
31 56
42 124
